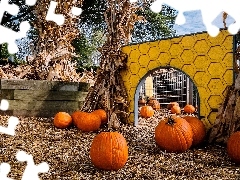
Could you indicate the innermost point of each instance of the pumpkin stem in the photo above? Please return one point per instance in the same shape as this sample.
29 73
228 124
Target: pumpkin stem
171 120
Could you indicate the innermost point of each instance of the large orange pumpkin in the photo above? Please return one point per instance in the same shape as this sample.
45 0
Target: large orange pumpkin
62 120
174 134
199 130
146 111
75 116
109 151
233 147
102 114
189 109
86 121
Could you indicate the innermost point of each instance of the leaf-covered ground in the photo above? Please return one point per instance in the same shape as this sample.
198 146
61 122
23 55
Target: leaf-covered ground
67 153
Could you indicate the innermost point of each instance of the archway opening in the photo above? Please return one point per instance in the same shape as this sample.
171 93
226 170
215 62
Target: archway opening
166 84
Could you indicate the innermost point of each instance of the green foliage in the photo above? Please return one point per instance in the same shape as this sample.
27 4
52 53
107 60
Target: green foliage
157 25
86 48
4 51
4 56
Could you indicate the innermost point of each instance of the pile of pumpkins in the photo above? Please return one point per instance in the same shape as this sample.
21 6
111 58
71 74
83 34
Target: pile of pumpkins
109 150
177 134
147 109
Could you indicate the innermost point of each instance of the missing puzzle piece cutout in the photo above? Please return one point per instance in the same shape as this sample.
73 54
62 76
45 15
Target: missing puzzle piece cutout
12 9
4 170
12 121
31 170
59 18
209 11
9 36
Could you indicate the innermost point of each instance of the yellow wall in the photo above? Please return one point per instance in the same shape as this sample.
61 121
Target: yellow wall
206 60
149 86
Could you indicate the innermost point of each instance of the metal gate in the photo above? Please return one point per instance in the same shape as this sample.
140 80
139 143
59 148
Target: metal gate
171 85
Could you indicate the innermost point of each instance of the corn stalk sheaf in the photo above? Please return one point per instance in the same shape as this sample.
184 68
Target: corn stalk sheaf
109 91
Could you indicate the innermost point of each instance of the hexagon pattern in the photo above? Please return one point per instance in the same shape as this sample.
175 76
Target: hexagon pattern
206 60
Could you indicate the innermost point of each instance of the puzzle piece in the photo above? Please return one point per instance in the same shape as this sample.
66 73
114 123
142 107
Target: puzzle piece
51 16
31 170
4 105
209 11
76 11
231 8
59 18
4 170
10 8
31 2
9 36
12 123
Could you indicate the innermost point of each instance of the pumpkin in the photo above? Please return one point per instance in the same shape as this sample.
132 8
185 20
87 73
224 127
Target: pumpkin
86 121
102 114
175 110
141 102
233 147
109 151
154 103
198 128
189 109
171 104
62 120
173 134
146 111
75 116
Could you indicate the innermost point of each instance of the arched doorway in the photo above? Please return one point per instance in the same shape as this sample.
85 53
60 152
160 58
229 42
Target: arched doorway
166 84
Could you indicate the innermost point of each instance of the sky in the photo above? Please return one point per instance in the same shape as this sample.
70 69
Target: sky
194 23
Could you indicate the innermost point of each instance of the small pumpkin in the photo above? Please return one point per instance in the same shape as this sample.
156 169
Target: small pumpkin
189 109
62 120
109 151
141 102
171 104
233 147
199 130
146 111
154 103
86 121
102 114
175 110
174 134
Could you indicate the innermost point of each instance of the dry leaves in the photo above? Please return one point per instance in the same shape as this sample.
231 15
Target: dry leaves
67 153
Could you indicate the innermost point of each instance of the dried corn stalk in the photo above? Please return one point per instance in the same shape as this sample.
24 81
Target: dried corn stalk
109 91
224 16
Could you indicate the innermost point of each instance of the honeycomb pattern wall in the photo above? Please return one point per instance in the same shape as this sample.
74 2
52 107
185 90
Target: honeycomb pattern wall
208 61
